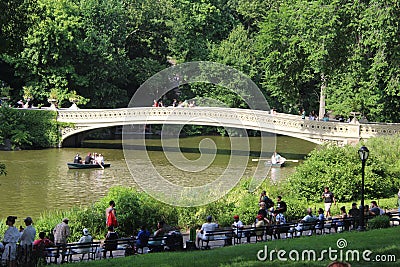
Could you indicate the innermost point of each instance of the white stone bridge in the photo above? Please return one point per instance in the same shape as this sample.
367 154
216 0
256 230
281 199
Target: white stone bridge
284 124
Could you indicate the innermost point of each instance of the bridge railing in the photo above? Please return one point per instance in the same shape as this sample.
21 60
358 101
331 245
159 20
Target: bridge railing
280 123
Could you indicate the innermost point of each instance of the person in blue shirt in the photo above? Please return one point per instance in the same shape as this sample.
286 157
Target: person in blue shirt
142 237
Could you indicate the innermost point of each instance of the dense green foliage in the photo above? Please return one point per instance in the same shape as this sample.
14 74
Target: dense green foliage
29 128
136 208
379 222
339 168
294 50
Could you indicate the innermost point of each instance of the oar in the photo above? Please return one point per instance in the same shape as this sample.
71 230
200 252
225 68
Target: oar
101 165
289 160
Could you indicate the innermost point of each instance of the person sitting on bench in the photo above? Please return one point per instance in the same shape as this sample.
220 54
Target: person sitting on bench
206 227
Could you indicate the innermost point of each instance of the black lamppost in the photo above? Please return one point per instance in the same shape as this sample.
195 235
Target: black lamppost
363 152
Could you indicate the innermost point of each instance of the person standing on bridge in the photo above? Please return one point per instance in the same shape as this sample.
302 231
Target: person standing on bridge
303 114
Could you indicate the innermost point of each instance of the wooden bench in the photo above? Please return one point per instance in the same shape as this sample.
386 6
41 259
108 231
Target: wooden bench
299 228
394 217
274 231
278 229
82 249
67 251
245 232
225 235
120 244
156 243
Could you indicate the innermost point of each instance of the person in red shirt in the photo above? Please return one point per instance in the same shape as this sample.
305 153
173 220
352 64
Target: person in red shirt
43 240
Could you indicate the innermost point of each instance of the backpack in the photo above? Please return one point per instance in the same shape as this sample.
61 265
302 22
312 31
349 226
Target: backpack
268 202
111 219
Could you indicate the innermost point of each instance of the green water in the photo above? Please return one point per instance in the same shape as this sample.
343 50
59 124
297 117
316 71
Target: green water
39 180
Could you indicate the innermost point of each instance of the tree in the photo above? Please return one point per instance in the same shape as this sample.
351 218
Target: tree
196 25
369 81
297 46
238 52
76 46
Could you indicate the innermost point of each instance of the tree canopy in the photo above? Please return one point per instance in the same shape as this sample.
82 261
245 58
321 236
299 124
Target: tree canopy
295 50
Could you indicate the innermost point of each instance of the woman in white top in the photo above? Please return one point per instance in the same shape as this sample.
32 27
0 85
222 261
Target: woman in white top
11 237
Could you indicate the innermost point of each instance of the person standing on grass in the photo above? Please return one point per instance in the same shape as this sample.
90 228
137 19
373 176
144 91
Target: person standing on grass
111 216
28 234
329 198
11 237
61 232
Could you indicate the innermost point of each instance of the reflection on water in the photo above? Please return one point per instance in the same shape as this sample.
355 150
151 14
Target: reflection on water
39 180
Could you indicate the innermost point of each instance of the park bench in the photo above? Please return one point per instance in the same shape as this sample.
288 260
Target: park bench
279 229
299 228
67 251
120 244
394 217
245 232
81 250
274 231
343 224
225 235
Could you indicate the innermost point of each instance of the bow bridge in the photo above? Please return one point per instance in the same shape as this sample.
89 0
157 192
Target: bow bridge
290 125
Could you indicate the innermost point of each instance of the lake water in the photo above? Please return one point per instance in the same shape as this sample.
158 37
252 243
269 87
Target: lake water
39 180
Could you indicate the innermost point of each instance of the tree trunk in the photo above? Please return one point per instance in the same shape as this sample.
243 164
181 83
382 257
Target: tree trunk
322 97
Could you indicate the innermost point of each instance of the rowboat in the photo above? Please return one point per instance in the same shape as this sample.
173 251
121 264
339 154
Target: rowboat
268 162
86 166
274 165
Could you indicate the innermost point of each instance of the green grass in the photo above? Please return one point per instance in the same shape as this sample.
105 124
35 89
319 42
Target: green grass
380 242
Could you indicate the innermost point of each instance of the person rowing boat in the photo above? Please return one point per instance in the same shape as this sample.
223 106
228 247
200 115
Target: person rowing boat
100 160
277 159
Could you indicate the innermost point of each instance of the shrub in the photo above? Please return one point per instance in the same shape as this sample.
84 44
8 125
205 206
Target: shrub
339 168
379 222
29 128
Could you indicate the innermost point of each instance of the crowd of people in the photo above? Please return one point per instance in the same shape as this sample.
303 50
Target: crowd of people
269 213
176 104
273 213
90 158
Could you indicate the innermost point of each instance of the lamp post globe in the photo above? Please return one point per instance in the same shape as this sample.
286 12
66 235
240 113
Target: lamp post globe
364 153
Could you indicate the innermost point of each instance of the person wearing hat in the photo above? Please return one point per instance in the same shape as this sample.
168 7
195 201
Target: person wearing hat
206 227
61 232
29 233
260 223
237 225
11 237
86 238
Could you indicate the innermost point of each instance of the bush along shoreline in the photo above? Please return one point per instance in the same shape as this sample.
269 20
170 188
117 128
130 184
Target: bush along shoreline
135 208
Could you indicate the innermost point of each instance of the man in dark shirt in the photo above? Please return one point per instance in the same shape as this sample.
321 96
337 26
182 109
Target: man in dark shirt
77 159
88 159
328 200
354 211
281 206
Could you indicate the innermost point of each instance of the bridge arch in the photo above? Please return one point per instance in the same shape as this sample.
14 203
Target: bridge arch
283 124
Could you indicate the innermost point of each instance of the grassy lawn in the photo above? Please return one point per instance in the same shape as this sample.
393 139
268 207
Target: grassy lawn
381 243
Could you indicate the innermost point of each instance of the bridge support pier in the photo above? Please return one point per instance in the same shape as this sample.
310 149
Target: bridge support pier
73 141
